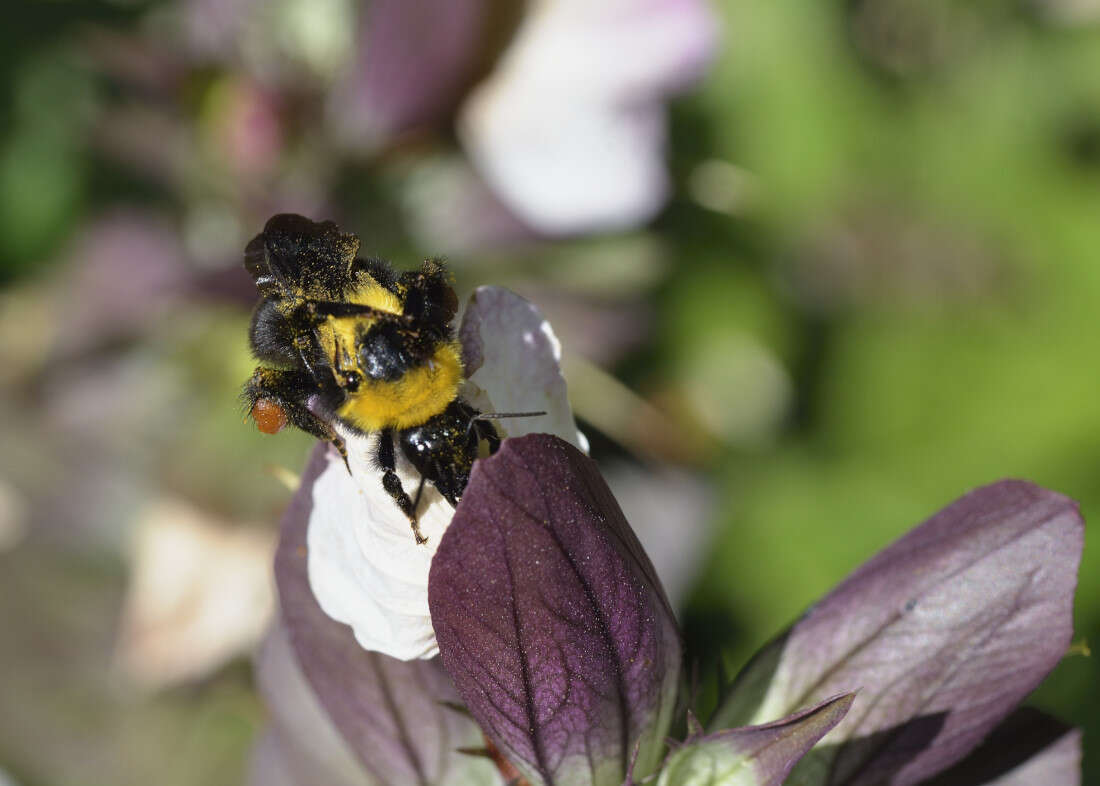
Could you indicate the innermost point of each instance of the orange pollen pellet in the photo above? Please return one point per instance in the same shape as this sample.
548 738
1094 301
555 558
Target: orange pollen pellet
269 416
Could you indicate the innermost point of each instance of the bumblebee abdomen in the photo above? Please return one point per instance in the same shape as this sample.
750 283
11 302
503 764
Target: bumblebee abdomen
422 392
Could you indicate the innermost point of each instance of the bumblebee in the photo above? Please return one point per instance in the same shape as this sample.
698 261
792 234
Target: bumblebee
342 339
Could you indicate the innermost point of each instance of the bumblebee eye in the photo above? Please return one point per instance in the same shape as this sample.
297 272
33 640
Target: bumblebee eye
270 417
352 380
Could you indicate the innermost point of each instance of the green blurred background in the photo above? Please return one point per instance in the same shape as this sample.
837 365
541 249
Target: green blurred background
875 286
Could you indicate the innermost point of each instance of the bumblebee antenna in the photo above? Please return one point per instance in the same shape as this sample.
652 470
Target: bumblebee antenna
500 416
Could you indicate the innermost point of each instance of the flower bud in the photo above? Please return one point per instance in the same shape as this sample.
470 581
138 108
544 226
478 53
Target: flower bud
752 756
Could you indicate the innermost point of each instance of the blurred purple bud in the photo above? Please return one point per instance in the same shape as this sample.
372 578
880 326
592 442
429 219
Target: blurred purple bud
944 633
129 266
551 621
390 712
755 755
416 58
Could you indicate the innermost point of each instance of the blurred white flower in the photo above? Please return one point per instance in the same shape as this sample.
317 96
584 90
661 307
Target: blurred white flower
200 594
365 568
569 129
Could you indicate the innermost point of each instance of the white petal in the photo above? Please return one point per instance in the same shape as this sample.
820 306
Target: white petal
365 567
513 363
570 127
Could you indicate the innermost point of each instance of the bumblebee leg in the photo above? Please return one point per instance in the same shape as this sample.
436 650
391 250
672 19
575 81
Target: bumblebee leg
419 492
302 344
338 443
387 461
447 485
487 431
289 389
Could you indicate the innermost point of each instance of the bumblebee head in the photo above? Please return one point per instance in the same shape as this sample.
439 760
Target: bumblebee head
296 256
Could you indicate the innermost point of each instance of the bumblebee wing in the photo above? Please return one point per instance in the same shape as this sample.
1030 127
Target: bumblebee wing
294 255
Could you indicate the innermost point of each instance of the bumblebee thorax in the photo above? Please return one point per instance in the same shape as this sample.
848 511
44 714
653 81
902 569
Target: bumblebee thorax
419 393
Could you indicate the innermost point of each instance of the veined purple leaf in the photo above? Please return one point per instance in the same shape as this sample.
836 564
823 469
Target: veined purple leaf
551 620
1027 748
300 745
944 633
754 755
388 710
